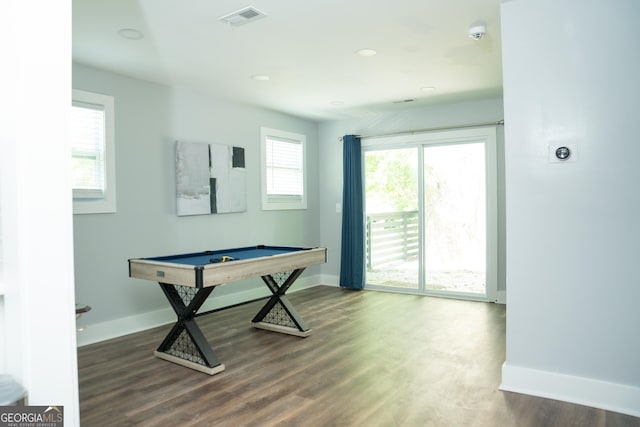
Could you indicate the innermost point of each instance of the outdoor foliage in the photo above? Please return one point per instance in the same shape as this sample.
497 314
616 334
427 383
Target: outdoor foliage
391 180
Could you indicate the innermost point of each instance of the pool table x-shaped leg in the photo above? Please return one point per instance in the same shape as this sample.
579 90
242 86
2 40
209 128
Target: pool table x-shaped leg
186 345
278 313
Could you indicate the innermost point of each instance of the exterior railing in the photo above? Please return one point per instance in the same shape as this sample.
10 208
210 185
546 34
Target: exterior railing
391 237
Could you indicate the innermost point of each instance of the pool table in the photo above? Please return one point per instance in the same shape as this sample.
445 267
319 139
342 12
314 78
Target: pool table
188 279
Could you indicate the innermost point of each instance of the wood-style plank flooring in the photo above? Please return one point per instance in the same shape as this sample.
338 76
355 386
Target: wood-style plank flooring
372 359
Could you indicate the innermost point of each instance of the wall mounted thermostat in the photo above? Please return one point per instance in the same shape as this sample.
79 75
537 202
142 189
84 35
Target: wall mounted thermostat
563 153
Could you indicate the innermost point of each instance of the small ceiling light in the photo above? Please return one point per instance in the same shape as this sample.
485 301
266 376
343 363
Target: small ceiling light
427 88
366 52
477 32
337 103
130 34
260 77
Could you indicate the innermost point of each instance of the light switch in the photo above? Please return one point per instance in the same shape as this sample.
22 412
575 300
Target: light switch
338 207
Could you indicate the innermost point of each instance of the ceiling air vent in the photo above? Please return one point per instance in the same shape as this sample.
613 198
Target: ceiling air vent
242 16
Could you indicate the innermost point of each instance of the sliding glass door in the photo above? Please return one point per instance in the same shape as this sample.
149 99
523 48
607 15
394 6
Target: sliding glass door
427 206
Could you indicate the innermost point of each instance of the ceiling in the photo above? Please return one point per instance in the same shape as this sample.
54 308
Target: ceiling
305 47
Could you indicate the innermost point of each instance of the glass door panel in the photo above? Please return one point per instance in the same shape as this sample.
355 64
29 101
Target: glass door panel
455 218
392 224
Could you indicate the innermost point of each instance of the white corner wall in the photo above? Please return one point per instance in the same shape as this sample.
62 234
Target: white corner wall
571 77
38 317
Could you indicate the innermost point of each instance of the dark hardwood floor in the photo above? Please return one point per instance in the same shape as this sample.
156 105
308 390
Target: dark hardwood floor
372 359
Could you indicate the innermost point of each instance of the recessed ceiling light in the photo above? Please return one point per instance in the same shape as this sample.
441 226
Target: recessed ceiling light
337 103
427 88
260 77
130 34
366 52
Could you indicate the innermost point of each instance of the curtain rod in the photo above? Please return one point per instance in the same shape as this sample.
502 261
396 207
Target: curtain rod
471 125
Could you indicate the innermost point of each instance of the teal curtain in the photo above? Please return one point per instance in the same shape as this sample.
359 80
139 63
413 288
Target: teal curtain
352 263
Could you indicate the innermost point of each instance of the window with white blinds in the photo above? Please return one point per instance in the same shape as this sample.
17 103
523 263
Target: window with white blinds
92 153
284 174
87 150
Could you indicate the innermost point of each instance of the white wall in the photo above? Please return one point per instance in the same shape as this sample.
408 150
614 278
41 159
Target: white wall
437 115
571 77
38 345
149 119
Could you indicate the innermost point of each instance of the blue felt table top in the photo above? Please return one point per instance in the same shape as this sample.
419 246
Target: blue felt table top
209 257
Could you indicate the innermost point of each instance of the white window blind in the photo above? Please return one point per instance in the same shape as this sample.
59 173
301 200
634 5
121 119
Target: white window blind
284 175
284 163
93 156
88 150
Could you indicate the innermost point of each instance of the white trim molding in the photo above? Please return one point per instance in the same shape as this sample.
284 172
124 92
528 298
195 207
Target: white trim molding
605 395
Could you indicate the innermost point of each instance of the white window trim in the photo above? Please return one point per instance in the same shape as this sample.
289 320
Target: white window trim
106 203
282 204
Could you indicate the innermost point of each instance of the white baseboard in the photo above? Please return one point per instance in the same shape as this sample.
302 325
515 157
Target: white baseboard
610 396
96 332
330 280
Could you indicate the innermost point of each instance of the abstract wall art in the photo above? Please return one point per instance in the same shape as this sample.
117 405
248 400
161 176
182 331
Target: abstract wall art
210 179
